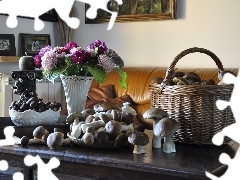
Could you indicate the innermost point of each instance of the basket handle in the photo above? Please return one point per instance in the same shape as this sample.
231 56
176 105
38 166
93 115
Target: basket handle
170 69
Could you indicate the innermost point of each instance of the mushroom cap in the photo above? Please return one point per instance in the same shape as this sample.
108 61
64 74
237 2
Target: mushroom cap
178 74
128 118
121 140
70 117
113 127
89 119
55 140
104 117
24 141
39 131
192 75
88 139
87 112
58 130
165 127
101 137
155 114
138 138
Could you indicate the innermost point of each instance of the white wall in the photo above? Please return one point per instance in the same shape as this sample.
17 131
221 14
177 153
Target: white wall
25 26
210 24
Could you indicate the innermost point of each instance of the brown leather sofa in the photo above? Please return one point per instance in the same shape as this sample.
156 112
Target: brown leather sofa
138 79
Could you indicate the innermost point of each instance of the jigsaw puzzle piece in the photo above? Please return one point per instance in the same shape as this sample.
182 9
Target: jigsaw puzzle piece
3 165
43 170
101 4
18 176
63 9
8 132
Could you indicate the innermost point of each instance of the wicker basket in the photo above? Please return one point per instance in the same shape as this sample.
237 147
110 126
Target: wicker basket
194 106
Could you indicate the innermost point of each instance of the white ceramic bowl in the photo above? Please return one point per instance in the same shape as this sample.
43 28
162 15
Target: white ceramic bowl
33 118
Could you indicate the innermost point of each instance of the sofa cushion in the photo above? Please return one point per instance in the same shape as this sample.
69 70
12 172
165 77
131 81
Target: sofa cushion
102 92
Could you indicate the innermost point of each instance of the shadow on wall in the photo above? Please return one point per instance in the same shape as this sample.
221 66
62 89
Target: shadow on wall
181 9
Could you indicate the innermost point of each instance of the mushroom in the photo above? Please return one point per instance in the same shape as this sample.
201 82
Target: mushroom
95 125
76 129
38 134
121 140
55 140
182 81
89 119
156 114
192 77
74 117
166 128
114 127
101 137
139 140
23 141
88 138
104 117
87 112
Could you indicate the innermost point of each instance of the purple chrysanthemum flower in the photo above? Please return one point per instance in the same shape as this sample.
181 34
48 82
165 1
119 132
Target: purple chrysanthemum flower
37 61
49 60
106 63
81 56
71 45
44 50
99 44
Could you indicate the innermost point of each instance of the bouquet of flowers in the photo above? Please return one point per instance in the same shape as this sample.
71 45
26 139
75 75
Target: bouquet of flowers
71 60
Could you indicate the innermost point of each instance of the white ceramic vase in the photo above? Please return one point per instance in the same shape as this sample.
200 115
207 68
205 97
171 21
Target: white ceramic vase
76 91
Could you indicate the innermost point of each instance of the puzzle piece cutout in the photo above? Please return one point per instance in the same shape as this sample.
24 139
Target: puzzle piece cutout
3 165
230 131
44 171
8 132
35 8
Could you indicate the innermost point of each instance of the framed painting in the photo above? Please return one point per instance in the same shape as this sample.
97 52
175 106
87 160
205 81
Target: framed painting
136 10
7 45
30 44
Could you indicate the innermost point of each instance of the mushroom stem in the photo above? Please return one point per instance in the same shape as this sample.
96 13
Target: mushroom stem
139 149
36 141
169 146
94 125
66 141
125 128
156 141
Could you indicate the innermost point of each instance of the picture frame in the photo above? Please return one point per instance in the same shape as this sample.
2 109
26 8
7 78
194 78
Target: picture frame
30 44
135 10
7 45
50 16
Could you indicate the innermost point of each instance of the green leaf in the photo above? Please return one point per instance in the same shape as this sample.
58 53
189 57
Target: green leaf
51 75
98 74
123 77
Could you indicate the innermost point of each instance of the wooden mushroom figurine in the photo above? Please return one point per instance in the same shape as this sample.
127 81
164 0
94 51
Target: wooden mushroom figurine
166 127
75 120
55 140
139 140
155 114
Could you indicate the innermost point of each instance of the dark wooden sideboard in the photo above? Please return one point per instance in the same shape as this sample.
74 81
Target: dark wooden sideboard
189 162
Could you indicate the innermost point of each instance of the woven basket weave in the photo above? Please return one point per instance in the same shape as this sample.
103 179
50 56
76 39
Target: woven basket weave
194 106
